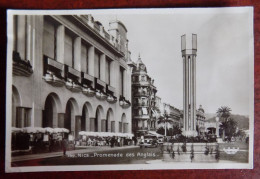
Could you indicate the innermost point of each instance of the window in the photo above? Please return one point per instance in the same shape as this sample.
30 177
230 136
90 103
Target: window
84 57
120 126
69 50
22 36
15 32
108 71
122 81
49 39
142 78
144 110
97 65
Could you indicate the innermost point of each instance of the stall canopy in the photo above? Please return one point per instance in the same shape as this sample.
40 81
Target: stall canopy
106 134
40 130
155 134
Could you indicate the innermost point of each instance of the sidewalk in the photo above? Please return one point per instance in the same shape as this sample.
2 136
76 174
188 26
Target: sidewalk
71 152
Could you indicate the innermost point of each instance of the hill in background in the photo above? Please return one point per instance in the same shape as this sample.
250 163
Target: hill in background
242 121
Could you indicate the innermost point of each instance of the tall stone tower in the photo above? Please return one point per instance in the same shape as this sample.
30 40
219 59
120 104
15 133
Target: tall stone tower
189 53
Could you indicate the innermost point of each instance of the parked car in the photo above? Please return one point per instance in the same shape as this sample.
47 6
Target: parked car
160 140
148 141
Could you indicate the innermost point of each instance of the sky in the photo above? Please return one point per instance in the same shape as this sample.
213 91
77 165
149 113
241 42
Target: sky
223 75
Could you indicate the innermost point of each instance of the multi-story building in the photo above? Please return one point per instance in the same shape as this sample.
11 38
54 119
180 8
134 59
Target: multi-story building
143 99
200 121
174 115
69 72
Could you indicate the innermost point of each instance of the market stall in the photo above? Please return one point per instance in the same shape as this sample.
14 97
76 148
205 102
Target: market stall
37 139
103 138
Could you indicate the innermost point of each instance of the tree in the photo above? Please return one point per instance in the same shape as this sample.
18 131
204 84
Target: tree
165 118
224 113
160 130
230 127
176 130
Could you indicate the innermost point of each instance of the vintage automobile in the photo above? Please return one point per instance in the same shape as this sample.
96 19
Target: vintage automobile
148 141
160 139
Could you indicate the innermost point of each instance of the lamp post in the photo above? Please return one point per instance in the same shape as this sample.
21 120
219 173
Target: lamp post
217 127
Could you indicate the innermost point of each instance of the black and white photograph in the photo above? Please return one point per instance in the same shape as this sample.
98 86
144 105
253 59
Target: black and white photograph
130 89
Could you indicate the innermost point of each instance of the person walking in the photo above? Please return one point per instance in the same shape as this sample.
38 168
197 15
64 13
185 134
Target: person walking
64 146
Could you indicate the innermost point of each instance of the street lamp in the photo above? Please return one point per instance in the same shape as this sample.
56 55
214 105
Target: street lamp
217 127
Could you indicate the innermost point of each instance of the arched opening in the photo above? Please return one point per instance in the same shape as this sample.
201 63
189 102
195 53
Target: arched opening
85 118
15 104
123 125
69 115
49 112
97 118
109 121
211 130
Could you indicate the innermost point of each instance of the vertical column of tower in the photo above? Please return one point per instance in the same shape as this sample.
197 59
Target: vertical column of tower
184 93
189 84
194 88
187 93
191 93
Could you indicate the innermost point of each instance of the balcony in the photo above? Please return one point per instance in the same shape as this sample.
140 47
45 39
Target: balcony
87 82
144 104
21 67
52 72
107 36
72 85
124 103
96 27
88 91
146 94
111 98
100 95
141 83
72 79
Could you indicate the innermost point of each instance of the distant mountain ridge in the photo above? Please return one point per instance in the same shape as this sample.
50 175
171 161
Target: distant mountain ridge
242 120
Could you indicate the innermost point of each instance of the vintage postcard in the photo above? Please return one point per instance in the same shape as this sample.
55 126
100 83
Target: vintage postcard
130 89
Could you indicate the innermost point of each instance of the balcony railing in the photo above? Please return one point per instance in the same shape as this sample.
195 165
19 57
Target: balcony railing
142 103
72 77
111 99
21 67
124 103
96 27
100 94
89 91
107 36
53 71
141 93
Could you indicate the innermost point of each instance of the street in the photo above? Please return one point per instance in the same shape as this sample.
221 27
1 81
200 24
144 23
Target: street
119 155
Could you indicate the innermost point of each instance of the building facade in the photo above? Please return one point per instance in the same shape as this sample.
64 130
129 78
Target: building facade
69 72
174 116
143 99
200 121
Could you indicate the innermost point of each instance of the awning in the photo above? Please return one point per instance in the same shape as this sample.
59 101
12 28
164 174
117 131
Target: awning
105 134
155 133
155 113
144 110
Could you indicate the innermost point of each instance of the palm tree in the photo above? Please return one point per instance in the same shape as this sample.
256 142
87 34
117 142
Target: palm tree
224 114
165 118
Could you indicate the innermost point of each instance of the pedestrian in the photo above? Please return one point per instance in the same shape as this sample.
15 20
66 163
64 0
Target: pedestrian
64 146
112 141
118 141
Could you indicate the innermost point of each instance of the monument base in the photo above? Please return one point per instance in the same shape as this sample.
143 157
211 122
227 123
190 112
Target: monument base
190 133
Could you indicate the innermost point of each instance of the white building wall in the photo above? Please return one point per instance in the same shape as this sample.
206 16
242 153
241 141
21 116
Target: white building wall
34 89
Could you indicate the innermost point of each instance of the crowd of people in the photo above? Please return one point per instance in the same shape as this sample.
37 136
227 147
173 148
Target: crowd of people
104 141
